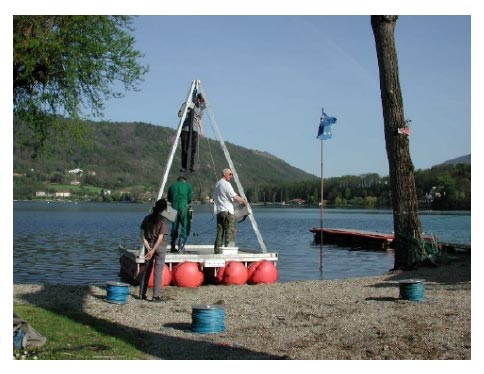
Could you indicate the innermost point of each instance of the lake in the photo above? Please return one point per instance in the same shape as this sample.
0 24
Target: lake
77 243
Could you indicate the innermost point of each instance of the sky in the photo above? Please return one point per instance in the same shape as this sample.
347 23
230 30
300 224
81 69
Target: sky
267 79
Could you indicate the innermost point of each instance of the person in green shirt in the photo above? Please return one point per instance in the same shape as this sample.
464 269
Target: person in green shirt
180 196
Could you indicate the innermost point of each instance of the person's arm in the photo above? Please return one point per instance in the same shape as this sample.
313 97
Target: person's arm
241 200
144 241
180 112
233 195
152 251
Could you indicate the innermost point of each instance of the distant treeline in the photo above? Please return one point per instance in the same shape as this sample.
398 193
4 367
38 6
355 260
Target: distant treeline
443 187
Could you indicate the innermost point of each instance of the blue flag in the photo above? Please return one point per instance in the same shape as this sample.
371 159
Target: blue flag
325 124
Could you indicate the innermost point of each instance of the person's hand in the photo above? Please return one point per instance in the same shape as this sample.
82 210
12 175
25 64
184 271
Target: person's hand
149 254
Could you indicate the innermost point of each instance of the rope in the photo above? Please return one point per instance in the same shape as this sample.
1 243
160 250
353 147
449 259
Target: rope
412 290
211 155
208 319
117 292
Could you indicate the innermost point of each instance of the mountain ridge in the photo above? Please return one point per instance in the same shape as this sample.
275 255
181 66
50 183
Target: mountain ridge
465 159
123 154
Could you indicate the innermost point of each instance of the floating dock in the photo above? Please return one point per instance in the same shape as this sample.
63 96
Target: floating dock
132 265
356 238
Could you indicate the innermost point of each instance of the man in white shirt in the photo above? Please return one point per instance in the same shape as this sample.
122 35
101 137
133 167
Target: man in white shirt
223 197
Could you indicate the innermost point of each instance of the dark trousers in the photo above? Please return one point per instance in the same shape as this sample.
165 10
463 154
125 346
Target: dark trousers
185 143
158 261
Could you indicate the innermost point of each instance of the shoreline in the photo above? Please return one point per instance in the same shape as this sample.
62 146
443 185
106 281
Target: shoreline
343 319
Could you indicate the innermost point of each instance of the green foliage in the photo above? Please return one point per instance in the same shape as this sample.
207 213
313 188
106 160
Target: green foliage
453 189
451 184
65 65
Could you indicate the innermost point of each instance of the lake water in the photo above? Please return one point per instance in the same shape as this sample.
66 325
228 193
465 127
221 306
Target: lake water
77 243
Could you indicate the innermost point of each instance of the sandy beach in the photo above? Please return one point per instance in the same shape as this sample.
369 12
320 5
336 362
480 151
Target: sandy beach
348 319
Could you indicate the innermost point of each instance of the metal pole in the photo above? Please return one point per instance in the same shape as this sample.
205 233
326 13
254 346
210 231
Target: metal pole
141 252
321 215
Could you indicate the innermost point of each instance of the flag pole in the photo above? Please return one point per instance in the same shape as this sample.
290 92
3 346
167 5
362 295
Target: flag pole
324 132
321 215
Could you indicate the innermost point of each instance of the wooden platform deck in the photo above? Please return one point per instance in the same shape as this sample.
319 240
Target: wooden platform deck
374 240
353 238
132 265
356 238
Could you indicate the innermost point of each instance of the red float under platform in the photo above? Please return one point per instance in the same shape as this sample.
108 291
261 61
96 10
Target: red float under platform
233 273
262 272
205 266
187 274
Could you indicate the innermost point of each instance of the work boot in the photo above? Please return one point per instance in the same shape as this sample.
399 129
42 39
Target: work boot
173 246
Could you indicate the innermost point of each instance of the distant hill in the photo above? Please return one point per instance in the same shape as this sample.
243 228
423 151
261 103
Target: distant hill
124 155
459 160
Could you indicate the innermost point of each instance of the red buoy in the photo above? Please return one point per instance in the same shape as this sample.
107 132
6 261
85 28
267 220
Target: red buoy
187 274
233 273
165 277
262 272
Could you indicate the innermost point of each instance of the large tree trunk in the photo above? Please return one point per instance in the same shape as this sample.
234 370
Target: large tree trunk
408 245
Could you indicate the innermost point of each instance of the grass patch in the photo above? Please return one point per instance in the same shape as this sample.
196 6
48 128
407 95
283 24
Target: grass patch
75 189
76 336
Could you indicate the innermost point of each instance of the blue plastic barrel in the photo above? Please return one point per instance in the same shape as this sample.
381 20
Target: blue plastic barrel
117 292
208 318
412 289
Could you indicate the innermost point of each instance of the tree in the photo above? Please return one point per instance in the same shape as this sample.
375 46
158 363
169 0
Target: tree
65 65
408 244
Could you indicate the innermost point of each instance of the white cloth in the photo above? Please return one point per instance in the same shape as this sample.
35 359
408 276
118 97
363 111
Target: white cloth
223 195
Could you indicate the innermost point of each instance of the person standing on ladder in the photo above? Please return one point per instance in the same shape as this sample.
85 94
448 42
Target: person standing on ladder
192 126
180 195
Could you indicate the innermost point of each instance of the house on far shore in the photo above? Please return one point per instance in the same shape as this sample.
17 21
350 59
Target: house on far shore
76 171
62 194
40 194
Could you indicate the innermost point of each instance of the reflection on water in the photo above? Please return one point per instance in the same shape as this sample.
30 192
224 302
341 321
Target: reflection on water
71 243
